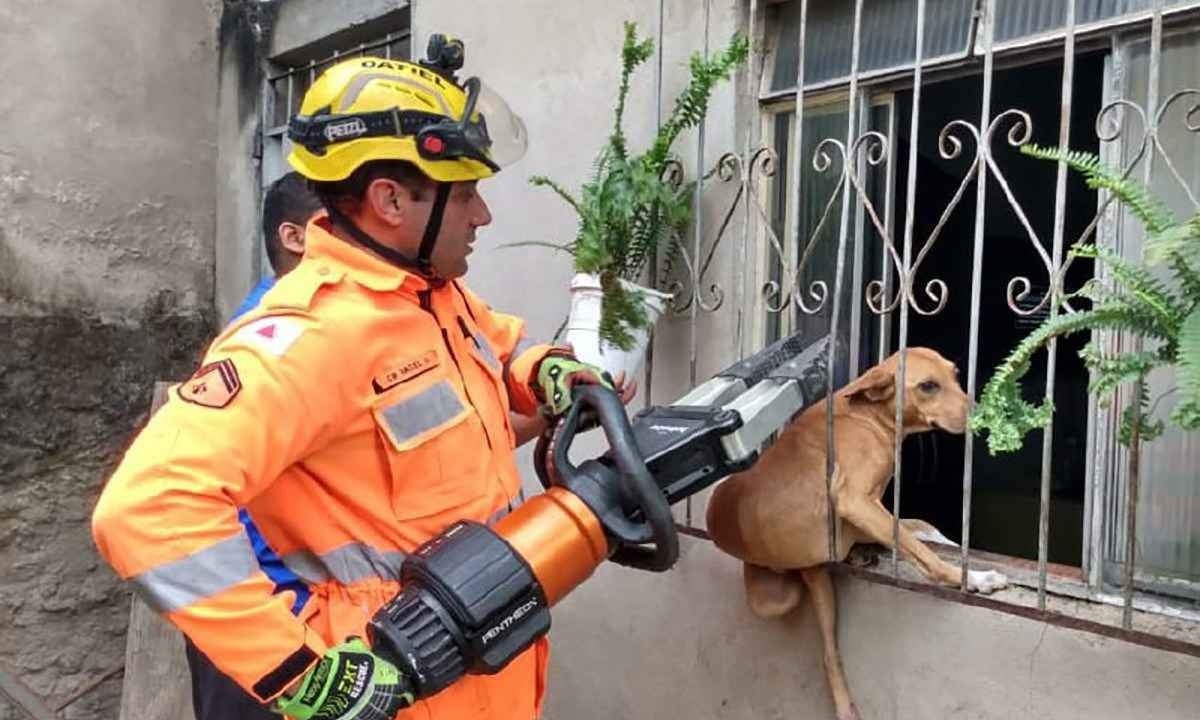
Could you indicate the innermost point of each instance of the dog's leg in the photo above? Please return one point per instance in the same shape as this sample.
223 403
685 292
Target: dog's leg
925 532
768 593
873 519
820 586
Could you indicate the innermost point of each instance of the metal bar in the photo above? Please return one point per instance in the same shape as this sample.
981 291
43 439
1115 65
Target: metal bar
1060 214
1105 486
989 31
1095 467
28 702
1119 22
1134 479
89 687
795 173
1131 503
739 340
648 376
698 232
1091 472
851 127
291 96
860 231
885 318
1151 640
910 202
385 42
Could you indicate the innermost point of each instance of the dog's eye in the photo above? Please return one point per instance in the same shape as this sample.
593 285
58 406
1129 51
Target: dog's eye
929 386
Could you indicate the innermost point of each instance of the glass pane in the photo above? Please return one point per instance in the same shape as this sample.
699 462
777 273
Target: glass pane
889 29
783 139
1023 18
1168 538
817 191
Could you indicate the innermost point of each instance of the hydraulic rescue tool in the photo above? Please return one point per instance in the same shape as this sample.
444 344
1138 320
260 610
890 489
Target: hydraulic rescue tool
475 596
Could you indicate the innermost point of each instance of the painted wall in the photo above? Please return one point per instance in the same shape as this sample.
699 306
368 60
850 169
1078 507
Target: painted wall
106 283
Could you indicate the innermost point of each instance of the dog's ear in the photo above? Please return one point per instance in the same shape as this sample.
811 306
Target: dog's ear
875 385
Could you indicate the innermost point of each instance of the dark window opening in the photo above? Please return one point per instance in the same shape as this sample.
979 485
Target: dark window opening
1006 488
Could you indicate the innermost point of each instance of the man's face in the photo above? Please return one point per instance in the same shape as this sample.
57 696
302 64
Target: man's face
465 212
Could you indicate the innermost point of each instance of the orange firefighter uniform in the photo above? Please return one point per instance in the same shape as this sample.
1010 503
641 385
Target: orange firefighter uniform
353 416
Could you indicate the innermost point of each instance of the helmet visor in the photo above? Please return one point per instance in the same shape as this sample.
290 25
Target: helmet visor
490 127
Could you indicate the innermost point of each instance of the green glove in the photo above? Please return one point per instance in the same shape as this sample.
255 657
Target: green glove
556 374
349 683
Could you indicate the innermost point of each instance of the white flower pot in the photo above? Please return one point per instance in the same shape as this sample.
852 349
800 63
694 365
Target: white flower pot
583 326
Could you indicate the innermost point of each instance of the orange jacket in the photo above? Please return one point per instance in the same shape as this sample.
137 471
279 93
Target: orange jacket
355 414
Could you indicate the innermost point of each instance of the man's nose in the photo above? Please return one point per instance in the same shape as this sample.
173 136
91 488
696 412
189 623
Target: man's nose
480 213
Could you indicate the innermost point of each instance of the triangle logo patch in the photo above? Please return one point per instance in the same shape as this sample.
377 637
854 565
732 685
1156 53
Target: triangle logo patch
275 335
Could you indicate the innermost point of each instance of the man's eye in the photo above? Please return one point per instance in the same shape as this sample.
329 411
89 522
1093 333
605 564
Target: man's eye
929 386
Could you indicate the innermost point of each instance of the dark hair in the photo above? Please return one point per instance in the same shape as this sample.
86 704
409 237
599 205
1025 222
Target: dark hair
355 186
288 199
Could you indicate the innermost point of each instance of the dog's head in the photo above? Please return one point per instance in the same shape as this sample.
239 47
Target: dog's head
932 396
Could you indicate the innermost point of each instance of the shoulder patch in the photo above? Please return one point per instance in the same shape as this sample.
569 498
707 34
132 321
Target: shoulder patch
274 335
215 385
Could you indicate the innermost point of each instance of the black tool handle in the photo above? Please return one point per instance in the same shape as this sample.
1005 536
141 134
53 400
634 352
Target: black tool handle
633 480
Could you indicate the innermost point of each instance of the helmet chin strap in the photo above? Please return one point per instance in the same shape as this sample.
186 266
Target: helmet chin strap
423 264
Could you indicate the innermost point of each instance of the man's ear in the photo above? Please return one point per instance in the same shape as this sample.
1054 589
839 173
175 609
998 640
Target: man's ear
385 198
875 385
291 237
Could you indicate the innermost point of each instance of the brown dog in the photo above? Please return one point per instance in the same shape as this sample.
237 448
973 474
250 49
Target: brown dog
774 516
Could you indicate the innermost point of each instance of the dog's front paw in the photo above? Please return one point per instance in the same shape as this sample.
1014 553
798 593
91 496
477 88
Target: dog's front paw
985 581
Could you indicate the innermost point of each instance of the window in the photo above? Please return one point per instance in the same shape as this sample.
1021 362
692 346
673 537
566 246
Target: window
1016 223
888 40
1169 506
285 87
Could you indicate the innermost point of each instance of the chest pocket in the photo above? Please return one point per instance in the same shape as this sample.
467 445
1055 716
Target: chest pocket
432 440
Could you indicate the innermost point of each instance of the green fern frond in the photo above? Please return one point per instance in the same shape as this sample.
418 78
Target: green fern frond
1138 282
1187 412
692 104
1137 302
621 313
1152 212
1110 371
1187 279
1178 240
543 181
633 53
1137 414
627 211
1002 412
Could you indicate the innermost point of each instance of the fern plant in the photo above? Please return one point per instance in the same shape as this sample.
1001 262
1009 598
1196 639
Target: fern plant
1164 313
628 210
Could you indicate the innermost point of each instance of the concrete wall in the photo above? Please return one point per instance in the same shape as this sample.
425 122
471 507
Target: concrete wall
106 243
683 645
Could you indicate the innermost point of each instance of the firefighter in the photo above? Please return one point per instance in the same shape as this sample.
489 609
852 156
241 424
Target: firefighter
361 408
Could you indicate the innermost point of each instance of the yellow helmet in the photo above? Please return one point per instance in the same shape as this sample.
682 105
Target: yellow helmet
371 108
